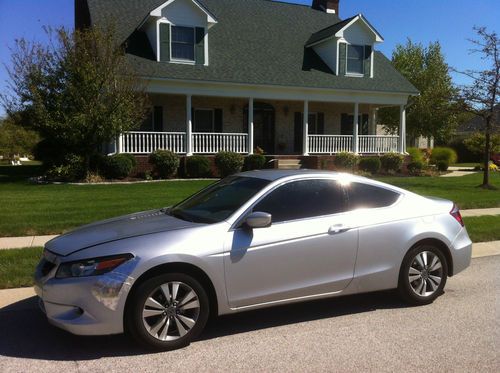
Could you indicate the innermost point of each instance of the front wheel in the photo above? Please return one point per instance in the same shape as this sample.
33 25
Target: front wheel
166 312
423 275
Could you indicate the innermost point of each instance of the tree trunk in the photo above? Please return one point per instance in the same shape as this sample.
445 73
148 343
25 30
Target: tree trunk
487 151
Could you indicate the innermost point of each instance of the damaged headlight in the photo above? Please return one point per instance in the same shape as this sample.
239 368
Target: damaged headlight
91 267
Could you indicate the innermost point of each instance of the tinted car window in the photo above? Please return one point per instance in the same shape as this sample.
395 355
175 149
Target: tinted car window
369 196
303 199
218 201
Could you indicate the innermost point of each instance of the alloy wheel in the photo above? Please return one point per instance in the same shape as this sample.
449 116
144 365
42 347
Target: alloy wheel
171 311
425 273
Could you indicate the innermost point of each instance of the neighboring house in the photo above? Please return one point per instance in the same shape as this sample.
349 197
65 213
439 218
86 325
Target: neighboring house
238 75
477 124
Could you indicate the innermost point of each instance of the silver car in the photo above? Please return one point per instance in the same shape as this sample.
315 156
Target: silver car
252 240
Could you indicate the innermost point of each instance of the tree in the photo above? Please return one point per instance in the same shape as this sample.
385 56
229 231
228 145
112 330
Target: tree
481 96
432 113
477 142
77 91
16 140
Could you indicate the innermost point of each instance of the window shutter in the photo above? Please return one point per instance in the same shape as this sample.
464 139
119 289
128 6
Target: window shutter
164 42
342 58
368 60
158 119
200 46
321 124
218 120
297 140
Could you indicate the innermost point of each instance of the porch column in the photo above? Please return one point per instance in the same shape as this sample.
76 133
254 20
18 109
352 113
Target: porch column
189 126
120 143
355 127
250 125
305 129
402 129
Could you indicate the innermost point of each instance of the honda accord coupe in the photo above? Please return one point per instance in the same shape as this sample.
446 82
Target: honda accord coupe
252 240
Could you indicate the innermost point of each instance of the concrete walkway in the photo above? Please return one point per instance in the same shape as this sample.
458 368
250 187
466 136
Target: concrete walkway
11 296
480 212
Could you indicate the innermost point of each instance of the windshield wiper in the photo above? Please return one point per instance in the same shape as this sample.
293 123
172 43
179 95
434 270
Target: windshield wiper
179 215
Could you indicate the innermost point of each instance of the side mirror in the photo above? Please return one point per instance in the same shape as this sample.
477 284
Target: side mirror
258 220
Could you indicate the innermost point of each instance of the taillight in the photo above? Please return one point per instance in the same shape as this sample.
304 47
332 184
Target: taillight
455 212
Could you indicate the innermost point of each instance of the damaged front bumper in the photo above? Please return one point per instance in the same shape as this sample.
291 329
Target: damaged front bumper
92 305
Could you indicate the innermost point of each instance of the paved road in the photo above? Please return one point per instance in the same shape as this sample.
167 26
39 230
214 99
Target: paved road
459 332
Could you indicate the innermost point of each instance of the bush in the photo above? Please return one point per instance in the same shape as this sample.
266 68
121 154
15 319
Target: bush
118 166
415 154
228 163
346 161
197 166
442 165
415 167
464 154
392 162
255 162
370 164
443 154
72 169
165 163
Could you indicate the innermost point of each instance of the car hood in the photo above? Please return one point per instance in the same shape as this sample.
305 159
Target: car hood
127 226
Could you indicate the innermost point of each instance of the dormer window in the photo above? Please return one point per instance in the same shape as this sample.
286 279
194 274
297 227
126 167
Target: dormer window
183 43
355 59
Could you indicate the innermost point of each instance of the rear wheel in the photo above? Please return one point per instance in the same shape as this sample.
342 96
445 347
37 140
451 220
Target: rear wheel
166 312
423 275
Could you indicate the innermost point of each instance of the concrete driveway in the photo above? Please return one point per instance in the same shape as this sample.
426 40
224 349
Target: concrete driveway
375 332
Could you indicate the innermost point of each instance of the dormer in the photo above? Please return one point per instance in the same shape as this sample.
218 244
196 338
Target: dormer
347 47
178 31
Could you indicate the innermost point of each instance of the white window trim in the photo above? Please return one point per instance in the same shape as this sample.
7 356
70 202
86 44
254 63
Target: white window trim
175 60
356 75
204 109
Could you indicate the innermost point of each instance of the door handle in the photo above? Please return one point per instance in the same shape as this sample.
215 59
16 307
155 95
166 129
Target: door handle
338 228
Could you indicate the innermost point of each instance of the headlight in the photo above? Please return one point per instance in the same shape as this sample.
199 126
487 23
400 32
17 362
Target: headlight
91 267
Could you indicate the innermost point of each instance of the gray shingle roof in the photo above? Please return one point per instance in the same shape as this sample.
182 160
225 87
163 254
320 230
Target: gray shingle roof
328 31
254 42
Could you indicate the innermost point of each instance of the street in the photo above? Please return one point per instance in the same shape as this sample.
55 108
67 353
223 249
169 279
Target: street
372 332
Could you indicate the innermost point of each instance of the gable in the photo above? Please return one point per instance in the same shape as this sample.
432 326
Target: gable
184 12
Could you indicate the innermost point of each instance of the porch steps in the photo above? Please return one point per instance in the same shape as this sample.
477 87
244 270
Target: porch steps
289 164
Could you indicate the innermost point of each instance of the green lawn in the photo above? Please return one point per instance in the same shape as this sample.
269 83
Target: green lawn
483 228
28 209
17 267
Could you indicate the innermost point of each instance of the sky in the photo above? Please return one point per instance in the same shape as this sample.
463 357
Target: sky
450 22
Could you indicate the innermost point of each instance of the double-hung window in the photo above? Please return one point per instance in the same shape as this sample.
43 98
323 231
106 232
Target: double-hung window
204 120
183 43
355 59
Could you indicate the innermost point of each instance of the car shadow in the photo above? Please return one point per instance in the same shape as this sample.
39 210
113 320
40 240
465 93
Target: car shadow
27 334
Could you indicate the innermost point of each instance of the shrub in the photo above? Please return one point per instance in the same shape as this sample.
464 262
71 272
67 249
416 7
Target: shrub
346 161
442 165
228 163
197 166
415 167
118 166
443 154
370 164
72 169
165 163
392 162
255 162
415 154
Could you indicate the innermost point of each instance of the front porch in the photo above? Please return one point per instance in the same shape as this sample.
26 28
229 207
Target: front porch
188 125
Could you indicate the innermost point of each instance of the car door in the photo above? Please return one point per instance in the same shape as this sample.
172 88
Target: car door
308 249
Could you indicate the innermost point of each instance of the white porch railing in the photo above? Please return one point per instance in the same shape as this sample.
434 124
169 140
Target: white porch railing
148 142
211 143
378 144
329 144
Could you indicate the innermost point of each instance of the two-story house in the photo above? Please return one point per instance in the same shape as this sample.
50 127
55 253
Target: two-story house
239 75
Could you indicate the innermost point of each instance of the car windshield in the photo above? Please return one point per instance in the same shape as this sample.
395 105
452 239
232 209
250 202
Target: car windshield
218 201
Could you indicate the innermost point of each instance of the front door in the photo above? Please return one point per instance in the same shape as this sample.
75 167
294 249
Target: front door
263 127
308 250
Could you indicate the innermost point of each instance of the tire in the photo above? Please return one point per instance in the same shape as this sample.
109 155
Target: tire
158 320
423 275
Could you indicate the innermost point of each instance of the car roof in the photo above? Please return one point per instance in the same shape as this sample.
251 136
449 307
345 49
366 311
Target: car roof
273 175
